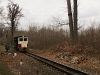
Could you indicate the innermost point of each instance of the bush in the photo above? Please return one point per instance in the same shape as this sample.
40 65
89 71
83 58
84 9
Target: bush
44 38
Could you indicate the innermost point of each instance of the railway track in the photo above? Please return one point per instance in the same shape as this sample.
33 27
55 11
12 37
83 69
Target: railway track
60 67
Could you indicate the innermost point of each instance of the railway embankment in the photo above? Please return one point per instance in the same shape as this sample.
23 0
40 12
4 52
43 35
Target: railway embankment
90 65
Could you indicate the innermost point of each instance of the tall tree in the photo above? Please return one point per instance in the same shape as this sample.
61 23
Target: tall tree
70 19
75 14
14 14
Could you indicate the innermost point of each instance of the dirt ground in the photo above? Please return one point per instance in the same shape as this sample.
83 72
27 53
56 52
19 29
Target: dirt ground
83 63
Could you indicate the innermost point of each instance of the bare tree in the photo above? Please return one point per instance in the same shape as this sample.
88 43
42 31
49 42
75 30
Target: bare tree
70 19
14 14
59 22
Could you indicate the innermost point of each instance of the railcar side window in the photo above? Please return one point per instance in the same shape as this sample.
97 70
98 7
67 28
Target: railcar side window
25 39
20 39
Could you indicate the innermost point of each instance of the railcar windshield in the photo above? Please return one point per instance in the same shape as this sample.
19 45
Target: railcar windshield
20 39
25 39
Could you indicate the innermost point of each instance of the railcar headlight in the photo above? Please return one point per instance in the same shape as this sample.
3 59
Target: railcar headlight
19 45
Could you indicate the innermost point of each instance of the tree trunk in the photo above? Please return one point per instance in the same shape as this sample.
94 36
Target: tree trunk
75 21
12 33
70 20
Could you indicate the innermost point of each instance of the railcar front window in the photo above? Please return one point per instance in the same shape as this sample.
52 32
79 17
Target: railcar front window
25 39
20 39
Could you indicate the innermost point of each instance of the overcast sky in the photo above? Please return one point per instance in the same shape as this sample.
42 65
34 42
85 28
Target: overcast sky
42 11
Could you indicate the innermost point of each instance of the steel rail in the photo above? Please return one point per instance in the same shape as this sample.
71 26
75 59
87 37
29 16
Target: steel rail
58 66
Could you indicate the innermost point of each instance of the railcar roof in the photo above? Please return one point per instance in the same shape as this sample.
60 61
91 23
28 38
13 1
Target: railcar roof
20 36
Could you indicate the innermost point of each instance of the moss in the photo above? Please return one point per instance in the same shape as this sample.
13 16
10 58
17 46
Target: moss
4 70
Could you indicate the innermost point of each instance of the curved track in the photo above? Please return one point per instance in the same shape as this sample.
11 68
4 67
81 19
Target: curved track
56 65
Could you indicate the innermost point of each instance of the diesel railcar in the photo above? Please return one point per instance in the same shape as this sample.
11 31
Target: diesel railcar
21 43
